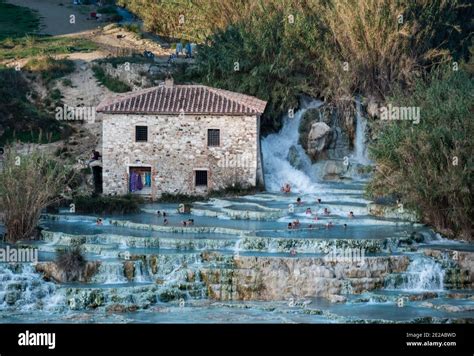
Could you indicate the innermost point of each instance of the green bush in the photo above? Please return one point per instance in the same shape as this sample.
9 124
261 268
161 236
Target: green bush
67 82
17 48
111 83
430 164
108 205
50 68
17 21
23 120
279 60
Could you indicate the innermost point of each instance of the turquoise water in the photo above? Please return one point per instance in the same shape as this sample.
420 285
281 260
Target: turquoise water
174 246
241 248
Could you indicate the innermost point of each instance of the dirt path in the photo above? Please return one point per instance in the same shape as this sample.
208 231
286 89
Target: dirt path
84 90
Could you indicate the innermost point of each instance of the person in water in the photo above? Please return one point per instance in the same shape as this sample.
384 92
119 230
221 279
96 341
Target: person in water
329 225
188 222
326 211
319 200
98 221
298 201
345 226
308 211
165 221
164 213
290 225
158 213
351 215
286 188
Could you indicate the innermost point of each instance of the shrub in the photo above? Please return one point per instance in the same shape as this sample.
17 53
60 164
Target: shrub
108 205
21 119
28 184
430 164
71 262
50 68
67 82
111 83
279 60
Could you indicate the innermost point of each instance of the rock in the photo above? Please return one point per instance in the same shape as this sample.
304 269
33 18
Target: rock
311 115
294 158
318 139
392 212
129 270
422 296
271 278
190 276
154 70
331 169
120 308
12 296
334 298
372 107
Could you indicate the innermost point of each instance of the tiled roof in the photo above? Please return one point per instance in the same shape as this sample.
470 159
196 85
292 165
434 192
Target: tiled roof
176 99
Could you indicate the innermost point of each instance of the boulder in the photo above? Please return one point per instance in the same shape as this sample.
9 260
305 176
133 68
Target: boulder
129 270
318 138
332 169
294 158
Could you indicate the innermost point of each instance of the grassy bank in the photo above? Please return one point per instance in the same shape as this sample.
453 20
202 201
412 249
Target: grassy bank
23 119
31 46
110 82
49 68
17 21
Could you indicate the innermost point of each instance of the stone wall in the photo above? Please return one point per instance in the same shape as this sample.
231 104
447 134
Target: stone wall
176 147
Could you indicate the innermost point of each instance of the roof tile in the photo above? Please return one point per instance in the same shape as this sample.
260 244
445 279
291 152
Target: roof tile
193 99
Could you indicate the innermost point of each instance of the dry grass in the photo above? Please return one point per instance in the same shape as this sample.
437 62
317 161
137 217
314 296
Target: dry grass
28 184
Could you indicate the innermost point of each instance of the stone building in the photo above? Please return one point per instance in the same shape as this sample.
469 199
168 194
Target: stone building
180 139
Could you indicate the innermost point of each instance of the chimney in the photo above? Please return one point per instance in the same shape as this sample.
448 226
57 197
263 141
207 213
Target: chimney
169 82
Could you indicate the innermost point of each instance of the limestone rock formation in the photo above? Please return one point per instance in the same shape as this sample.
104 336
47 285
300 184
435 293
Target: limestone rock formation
318 138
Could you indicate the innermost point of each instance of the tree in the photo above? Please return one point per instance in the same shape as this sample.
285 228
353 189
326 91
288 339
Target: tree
28 184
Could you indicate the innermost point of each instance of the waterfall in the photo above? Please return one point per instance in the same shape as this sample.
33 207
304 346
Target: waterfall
360 148
22 288
110 273
275 149
423 274
141 272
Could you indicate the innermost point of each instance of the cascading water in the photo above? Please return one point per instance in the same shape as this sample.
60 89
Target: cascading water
360 148
141 272
110 273
21 288
423 274
275 149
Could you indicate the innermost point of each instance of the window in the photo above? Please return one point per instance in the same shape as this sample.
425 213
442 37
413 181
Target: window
213 137
201 178
141 133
